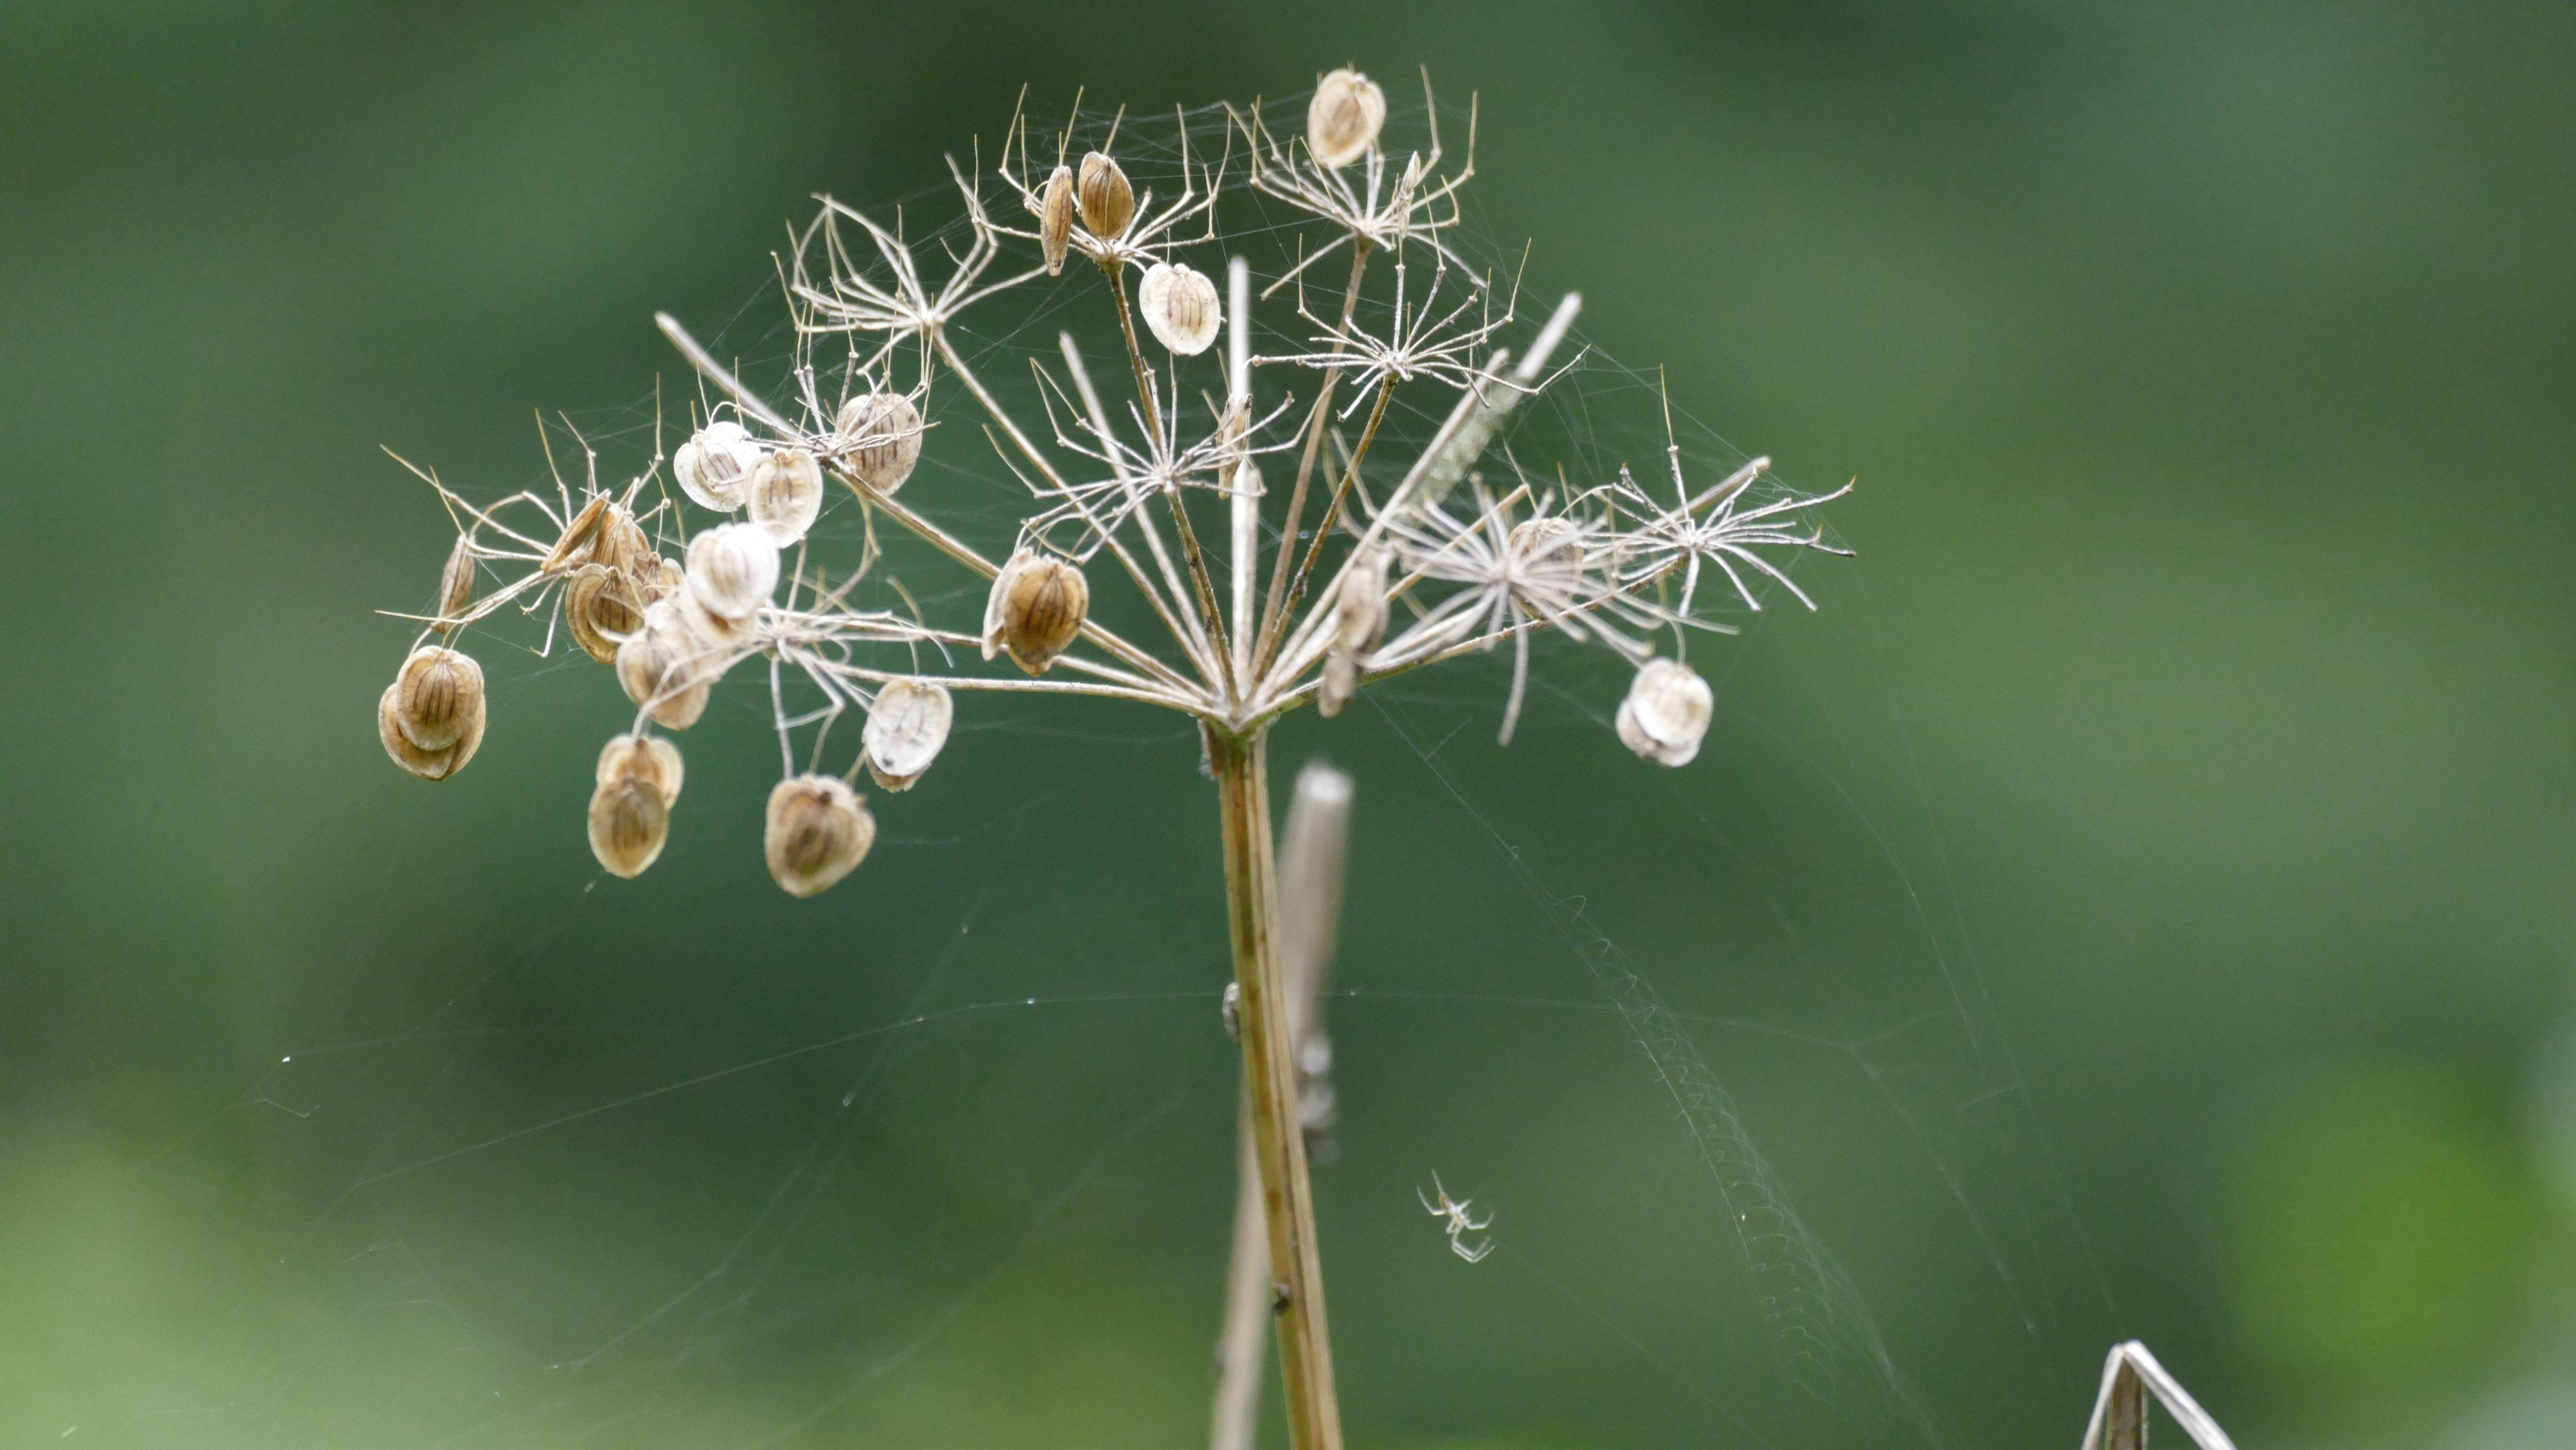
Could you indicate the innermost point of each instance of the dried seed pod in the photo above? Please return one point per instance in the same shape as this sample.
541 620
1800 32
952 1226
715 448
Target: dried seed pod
819 831
785 494
882 433
456 582
1108 202
1180 306
621 543
577 534
715 463
1055 219
1554 542
427 764
1666 713
1343 119
733 568
1035 610
1359 622
665 668
906 727
655 577
630 809
438 697
603 606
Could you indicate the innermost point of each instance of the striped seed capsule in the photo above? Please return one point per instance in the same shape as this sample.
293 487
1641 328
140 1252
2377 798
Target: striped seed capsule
1180 307
603 606
664 668
1666 713
638 781
733 569
438 697
427 764
906 728
1035 610
620 543
818 831
715 463
1343 119
1055 219
784 495
882 435
1108 203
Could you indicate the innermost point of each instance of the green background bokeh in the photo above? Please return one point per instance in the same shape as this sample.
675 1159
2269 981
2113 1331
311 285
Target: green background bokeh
2137 905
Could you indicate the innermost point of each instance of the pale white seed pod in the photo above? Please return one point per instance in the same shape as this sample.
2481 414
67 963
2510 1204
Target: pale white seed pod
438 697
1108 202
905 729
715 463
603 606
1035 610
733 568
1180 307
1666 713
1554 542
1343 119
1055 219
427 764
664 668
818 831
785 495
456 582
630 808
882 435
620 543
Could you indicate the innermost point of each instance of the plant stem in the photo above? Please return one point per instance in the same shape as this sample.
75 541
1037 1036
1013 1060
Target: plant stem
1271 1091
1239 1347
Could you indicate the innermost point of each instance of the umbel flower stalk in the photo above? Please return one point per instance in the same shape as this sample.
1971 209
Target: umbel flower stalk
1151 562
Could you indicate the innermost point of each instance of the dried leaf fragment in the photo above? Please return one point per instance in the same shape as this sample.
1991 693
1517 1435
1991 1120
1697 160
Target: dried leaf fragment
1343 119
882 435
1180 307
818 831
1666 713
1035 610
905 730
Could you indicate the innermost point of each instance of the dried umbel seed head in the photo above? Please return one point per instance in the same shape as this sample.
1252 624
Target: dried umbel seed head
1666 713
1035 610
733 568
620 543
603 606
438 697
906 727
1554 542
456 581
664 668
630 809
1359 621
785 495
1055 219
427 764
715 463
882 432
1108 202
1180 306
1343 120
819 831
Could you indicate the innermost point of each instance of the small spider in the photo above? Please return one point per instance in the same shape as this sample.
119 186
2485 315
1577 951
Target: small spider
1455 1212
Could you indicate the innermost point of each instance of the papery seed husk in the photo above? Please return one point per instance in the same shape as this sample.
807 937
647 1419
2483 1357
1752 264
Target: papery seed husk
440 697
1055 219
1359 606
818 831
662 667
648 758
715 463
1552 541
1108 202
456 582
577 533
1343 119
620 543
427 764
1666 714
1036 609
882 432
1180 307
733 569
630 822
906 728
656 577
785 495
1340 680
603 606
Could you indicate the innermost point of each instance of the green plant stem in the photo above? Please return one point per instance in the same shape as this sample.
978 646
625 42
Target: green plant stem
1271 1090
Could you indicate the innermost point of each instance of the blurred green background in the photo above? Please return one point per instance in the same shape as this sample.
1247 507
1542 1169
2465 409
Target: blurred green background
2138 905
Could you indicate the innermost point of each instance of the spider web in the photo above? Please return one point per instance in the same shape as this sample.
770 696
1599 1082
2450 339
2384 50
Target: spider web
947 1154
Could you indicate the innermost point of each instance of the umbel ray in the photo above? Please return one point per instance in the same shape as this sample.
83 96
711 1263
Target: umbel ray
1157 471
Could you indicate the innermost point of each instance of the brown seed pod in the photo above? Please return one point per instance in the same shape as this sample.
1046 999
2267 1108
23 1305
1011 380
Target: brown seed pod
438 697
1108 202
621 543
1343 119
882 433
1666 713
665 669
1180 307
456 582
819 830
733 569
427 764
785 494
906 727
630 808
1035 610
577 533
603 606
1055 219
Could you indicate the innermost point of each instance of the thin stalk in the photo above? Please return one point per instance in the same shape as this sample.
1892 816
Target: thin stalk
1271 1088
1315 426
1191 554
1341 493
1239 1347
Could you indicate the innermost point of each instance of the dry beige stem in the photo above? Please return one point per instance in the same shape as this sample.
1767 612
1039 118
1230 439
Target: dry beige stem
905 730
1666 713
1055 219
1035 610
1108 202
882 432
819 830
1343 119
784 495
1180 307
